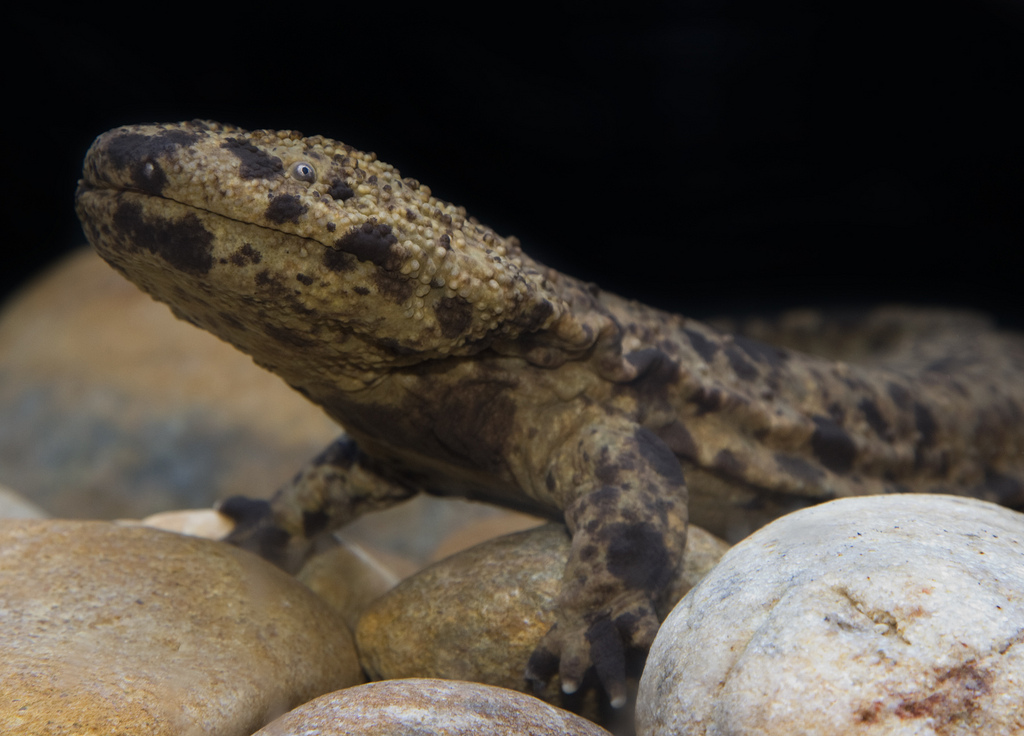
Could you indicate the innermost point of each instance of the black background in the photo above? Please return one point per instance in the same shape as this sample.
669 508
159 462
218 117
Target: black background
702 156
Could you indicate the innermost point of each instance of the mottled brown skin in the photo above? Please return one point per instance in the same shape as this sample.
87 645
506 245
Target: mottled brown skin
458 365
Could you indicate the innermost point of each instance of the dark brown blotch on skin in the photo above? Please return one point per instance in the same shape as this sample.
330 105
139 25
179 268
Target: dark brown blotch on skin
636 555
728 463
606 471
653 363
656 371
705 348
368 242
339 261
270 282
833 447
138 153
874 417
245 255
393 286
454 315
255 163
314 522
606 651
541 667
285 208
679 440
339 190
605 498
304 279
707 399
533 318
658 456
740 365
184 244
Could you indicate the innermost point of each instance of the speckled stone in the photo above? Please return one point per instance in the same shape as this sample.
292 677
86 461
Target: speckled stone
435 707
115 630
868 616
479 614
346 577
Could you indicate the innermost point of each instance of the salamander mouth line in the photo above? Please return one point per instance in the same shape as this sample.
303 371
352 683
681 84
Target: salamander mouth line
116 190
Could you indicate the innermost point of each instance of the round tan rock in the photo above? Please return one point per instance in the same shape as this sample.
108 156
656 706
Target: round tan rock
479 614
866 616
437 707
110 630
348 579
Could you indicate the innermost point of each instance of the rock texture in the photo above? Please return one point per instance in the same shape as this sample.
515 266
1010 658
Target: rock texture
348 579
112 630
436 707
872 615
479 614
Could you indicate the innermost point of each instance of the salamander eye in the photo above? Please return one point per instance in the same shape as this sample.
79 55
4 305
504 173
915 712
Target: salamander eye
303 172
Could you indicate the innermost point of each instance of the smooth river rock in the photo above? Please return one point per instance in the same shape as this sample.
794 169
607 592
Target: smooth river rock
115 630
434 707
479 614
877 615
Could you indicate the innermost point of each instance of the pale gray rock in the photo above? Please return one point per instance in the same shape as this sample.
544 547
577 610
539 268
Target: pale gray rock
871 615
435 707
13 506
205 523
118 630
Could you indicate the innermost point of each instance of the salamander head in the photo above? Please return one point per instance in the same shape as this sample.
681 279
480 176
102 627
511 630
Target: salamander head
286 245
